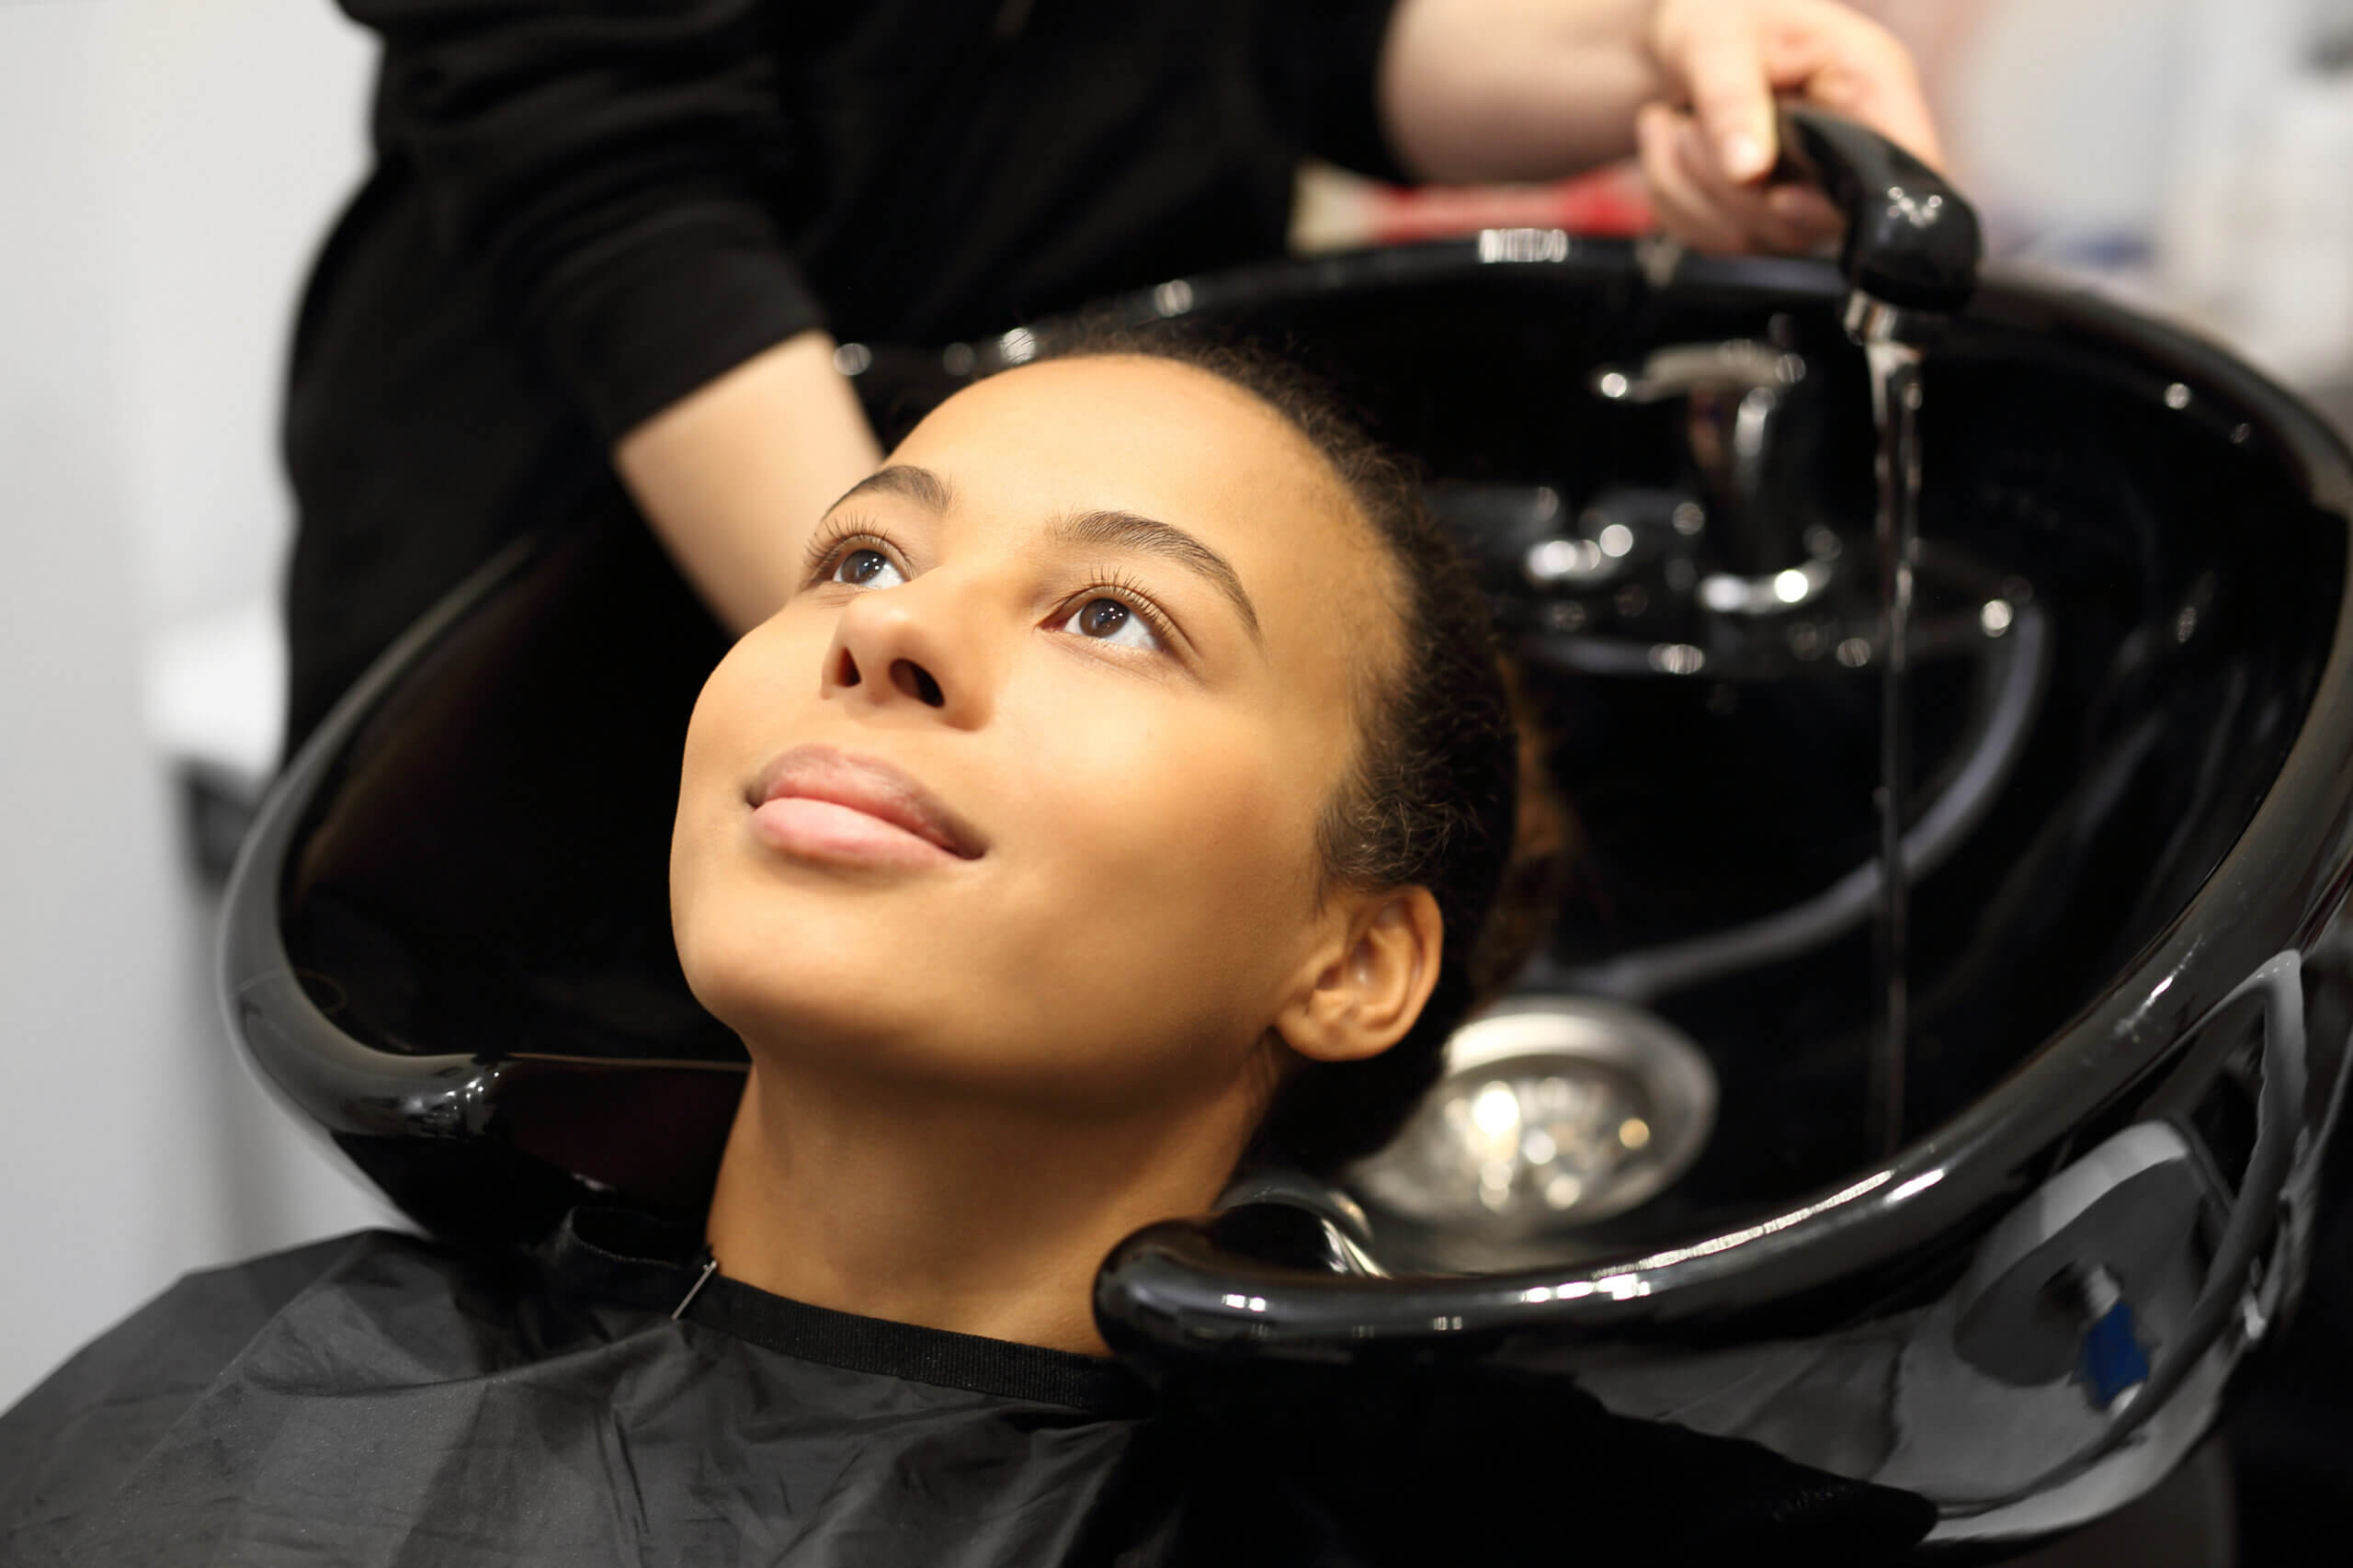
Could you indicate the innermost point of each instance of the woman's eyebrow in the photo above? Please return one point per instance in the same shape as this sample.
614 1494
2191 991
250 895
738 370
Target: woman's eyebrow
917 485
1149 536
1102 530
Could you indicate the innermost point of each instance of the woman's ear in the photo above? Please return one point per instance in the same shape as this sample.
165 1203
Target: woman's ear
1364 987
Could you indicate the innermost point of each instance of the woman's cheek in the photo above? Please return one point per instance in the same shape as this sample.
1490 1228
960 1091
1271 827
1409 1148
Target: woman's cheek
1175 824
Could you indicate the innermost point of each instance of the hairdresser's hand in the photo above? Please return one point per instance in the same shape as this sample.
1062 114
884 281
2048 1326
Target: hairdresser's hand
735 476
1531 89
1706 148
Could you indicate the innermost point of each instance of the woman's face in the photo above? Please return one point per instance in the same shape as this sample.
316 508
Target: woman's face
1019 791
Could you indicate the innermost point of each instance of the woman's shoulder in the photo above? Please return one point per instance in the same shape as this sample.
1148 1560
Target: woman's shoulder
182 1335
68 1441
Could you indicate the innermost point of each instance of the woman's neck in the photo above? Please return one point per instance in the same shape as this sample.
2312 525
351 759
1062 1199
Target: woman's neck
867 1198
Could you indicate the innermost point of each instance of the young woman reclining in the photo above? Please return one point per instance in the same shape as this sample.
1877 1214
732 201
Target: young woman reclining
1123 795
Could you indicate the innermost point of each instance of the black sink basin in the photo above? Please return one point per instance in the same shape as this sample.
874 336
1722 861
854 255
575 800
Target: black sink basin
2131 709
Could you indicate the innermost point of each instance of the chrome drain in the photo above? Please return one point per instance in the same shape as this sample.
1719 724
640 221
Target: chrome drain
1554 1111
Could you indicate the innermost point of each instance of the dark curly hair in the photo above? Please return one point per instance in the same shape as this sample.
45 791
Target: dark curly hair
1431 799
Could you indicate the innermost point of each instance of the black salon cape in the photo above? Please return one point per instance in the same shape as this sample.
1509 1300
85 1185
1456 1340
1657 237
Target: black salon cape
382 1400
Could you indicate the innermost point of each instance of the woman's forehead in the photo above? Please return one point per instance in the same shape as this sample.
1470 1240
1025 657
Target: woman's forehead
1108 431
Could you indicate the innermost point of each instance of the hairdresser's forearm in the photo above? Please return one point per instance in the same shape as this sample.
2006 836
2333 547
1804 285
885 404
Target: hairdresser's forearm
735 476
1514 89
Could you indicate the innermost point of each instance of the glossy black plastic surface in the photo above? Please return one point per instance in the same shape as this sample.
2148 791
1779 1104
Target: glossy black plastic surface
447 941
1911 240
2128 995
448 938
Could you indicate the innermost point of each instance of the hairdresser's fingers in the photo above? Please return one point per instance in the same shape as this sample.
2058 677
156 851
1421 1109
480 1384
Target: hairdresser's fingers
1730 58
1702 209
1763 221
1683 209
1713 48
1806 213
1841 61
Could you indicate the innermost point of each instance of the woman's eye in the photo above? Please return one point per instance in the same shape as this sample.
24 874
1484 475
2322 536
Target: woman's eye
868 568
1109 620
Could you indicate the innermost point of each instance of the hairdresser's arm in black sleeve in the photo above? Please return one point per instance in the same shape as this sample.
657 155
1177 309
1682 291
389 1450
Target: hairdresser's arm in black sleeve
1320 60
617 164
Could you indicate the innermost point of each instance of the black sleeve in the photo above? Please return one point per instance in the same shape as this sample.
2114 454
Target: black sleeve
1320 60
616 165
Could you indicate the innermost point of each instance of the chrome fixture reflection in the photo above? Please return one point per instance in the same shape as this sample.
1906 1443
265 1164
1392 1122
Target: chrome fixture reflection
1984 755
1554 1111
1732 393
1754 566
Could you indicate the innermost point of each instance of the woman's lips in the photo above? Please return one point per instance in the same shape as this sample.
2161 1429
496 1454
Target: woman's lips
814 802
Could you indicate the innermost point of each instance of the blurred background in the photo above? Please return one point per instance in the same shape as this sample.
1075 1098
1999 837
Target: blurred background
167 168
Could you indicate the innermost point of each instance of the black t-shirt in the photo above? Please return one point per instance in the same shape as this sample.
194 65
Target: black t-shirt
386 1400
579 213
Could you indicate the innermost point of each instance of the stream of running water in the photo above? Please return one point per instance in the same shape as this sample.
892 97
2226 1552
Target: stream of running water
1896 407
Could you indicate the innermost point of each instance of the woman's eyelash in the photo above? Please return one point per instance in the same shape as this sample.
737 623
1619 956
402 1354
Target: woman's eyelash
1111 583
836 540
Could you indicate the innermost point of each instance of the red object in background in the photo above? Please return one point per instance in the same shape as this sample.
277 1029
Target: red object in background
1605 201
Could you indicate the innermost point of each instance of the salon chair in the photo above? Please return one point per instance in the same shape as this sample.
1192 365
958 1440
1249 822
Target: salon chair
2020 1280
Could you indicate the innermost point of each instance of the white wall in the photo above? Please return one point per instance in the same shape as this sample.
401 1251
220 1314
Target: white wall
2190 153
165 168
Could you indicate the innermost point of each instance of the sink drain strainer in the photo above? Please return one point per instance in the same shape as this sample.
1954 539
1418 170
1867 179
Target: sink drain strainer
1553 1112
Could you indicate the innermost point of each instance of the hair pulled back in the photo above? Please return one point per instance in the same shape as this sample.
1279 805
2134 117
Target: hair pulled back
1430 798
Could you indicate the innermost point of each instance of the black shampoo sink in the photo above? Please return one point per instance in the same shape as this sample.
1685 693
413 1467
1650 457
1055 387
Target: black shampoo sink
2132 825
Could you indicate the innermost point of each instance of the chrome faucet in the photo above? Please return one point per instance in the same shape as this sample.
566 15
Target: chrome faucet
1743 401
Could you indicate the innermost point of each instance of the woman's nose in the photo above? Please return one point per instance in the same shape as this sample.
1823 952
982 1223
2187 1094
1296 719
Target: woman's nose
907 646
